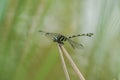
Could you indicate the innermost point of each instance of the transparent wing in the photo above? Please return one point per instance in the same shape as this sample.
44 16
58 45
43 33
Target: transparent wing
75 44
51 36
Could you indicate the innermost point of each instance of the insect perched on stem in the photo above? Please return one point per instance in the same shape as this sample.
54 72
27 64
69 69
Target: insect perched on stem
59 38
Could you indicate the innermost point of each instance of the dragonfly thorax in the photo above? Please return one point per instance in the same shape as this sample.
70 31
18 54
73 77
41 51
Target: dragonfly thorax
59 38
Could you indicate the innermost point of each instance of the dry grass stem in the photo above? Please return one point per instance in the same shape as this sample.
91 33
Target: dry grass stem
75 68
63 64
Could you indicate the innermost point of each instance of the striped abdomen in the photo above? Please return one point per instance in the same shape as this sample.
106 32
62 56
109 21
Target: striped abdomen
88 34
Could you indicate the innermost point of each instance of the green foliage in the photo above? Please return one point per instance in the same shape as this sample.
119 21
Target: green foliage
27 55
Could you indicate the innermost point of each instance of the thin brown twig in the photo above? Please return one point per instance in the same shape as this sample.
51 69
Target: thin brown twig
63 63
75 68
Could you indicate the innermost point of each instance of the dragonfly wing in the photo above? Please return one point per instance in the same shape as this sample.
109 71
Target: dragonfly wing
75 44
48 35
52 36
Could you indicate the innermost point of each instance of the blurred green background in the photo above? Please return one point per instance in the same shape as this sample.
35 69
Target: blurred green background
25 54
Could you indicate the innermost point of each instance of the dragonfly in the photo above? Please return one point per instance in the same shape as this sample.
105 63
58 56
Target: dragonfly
60 39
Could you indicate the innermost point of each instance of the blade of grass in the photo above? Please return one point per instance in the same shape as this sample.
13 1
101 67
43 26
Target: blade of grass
63 63
75 68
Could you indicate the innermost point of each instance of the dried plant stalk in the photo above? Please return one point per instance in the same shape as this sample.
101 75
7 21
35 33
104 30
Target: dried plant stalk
75 68
63 64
